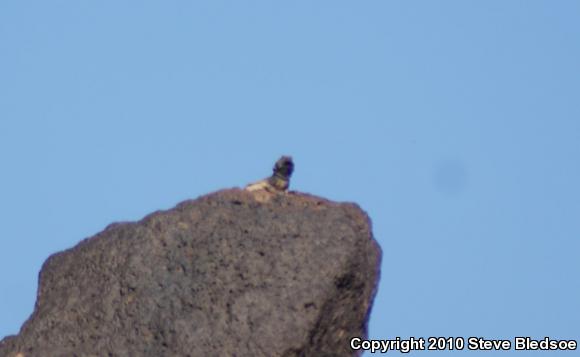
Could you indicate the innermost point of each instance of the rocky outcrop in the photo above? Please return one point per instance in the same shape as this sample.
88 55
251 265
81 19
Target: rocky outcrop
233 273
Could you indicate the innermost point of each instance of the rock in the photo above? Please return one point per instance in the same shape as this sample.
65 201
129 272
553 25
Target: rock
233 273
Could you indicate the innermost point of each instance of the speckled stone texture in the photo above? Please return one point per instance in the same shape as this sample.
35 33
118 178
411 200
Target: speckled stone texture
232 273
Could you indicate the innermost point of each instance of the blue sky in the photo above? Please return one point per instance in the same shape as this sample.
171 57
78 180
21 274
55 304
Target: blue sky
454 124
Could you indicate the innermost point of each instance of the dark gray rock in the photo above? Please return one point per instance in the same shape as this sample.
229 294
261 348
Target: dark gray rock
233 273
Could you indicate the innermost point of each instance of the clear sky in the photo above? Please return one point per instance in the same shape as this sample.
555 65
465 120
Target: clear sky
454 124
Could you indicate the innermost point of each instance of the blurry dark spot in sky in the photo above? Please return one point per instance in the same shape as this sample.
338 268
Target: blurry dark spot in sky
450 177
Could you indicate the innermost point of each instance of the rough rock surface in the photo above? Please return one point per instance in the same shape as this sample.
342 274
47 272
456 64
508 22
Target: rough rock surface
233 273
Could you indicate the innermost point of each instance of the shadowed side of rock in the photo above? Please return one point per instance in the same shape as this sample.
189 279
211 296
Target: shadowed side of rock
228 274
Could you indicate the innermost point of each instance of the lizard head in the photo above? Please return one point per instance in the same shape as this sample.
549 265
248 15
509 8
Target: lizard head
284 167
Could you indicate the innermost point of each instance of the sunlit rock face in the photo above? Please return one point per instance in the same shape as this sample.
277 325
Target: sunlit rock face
233 273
